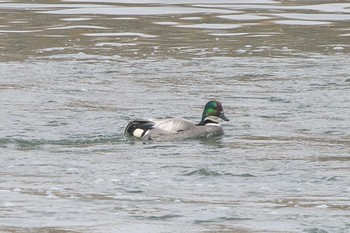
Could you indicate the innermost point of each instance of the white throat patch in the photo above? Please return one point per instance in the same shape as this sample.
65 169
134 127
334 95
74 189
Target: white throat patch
213 119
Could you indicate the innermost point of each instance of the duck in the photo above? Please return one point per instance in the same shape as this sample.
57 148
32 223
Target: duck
178 128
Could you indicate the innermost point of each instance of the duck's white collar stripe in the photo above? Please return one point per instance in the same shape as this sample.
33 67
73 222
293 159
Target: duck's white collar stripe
213 119
214 124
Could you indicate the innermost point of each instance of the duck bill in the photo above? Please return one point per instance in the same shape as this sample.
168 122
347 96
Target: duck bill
222 116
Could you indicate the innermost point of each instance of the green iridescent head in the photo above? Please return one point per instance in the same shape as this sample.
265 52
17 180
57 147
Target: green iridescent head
212 112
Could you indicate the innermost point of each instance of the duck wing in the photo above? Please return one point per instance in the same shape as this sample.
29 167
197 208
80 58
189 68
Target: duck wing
184 132
143 127
173 125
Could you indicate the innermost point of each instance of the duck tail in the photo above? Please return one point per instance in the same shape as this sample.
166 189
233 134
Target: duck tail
138 128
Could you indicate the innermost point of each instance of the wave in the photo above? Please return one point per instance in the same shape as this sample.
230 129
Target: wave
24 143
208 172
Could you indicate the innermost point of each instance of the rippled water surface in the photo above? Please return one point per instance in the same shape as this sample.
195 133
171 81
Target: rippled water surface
73 72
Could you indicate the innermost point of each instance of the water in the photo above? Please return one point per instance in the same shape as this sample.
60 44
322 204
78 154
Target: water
72 73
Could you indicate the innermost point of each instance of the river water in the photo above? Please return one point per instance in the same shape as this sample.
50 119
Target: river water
72 73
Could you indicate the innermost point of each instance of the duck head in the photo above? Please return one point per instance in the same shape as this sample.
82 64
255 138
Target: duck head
212 113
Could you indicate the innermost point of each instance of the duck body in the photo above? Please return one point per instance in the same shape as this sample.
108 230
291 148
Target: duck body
179 128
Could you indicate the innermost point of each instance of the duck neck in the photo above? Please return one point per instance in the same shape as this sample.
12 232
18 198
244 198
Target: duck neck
209 119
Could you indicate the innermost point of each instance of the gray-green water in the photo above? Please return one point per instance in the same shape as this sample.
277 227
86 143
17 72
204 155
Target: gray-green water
72 73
